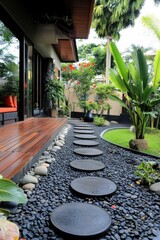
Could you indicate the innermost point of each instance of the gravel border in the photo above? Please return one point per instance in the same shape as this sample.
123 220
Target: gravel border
134 209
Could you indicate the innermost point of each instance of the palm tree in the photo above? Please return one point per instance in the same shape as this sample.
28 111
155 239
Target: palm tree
128 54
111 16
153 24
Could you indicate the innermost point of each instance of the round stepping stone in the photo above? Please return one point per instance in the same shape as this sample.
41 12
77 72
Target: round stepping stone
87 165
85 136
82 125
88 151
80 220
83 128
89 143
84 131
93 186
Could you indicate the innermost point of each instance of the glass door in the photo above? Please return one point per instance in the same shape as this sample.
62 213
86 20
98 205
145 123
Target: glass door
28 81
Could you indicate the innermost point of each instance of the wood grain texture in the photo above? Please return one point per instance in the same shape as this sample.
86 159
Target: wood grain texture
20 142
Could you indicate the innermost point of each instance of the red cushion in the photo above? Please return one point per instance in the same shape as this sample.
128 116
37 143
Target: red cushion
7 109
8 101
14 101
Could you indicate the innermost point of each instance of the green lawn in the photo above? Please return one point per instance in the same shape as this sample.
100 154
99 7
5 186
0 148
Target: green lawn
122 137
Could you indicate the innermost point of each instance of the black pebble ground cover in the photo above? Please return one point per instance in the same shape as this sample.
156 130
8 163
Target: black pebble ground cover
134 209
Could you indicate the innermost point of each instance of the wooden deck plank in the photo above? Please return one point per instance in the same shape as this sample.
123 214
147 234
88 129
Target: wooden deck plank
22 142
12 145
15 167
11 159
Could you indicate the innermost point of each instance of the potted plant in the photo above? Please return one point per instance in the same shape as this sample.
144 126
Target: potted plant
89 105
139 90
9 191
55 92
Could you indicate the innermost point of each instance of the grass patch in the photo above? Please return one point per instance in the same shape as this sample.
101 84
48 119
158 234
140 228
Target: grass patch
122 137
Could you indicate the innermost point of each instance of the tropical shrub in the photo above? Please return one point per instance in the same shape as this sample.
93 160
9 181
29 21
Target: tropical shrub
139 90
99 121
146 173
81 76
91 105
55 91
102 90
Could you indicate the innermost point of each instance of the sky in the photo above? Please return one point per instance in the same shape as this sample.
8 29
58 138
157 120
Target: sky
137 35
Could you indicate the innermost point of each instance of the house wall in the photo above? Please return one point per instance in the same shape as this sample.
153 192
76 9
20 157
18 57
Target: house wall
72 99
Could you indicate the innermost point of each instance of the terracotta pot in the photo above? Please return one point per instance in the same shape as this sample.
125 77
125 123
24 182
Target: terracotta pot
54 113
142 144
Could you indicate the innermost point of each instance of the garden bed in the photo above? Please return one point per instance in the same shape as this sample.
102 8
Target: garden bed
134 208
122 136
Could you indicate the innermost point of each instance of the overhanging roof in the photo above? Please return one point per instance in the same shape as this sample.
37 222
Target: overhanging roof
66 50
71 20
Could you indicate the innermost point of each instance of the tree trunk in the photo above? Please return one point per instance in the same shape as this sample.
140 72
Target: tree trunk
108 59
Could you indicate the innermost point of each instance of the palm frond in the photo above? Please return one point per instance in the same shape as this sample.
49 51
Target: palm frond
156 77
98 10
152 23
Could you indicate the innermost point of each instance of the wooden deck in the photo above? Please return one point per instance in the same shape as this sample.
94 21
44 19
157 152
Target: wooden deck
21 144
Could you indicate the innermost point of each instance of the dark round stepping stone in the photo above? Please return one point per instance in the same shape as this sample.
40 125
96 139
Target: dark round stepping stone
84 131
83 128
82 125
87 165
81 220
85 136
93 186
87 143
88 151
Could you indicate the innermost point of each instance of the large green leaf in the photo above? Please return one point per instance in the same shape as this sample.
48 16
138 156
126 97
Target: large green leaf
131 90
147 92
154 102
117 99
116 80
135 80
133 71
122 69
156 77
9 191
142 67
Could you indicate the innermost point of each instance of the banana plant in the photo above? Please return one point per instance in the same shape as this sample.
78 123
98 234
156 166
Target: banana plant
139 90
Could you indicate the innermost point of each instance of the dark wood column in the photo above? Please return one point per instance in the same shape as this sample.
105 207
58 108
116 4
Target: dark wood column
22 79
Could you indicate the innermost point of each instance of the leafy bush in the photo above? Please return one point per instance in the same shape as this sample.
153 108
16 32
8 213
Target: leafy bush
146 173
99 121
151 130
